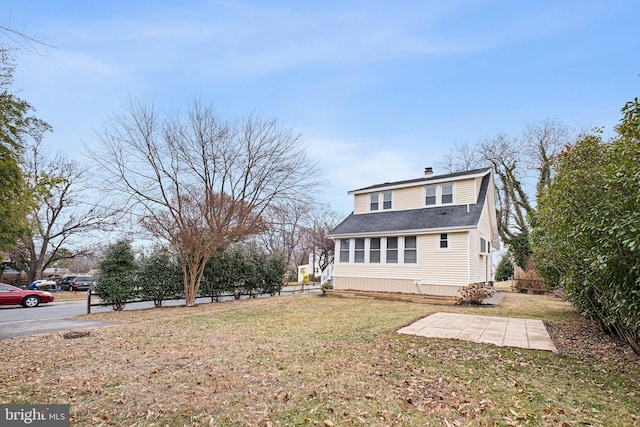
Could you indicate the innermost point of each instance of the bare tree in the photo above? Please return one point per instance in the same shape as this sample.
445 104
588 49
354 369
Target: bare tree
512 158
21 40
200 182
286 221
61 215
544 141
322 220
461 157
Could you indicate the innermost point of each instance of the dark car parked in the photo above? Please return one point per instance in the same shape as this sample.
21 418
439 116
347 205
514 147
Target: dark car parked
65 283
76 283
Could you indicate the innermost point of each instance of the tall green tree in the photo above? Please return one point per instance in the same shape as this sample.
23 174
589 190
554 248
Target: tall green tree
587 227
18 127
160 277
115 282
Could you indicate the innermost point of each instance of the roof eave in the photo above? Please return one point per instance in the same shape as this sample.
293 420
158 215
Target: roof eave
404 232
424 181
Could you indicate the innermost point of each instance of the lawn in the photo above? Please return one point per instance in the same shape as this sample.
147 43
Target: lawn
311 360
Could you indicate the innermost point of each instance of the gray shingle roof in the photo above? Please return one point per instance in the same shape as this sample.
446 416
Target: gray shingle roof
441 217
424 179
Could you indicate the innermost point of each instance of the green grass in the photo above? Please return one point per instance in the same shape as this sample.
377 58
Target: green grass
304 360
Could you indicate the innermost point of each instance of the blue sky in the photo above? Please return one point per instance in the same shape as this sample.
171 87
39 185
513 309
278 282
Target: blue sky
378 89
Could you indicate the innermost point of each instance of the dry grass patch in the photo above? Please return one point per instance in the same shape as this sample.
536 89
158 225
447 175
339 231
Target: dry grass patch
304 360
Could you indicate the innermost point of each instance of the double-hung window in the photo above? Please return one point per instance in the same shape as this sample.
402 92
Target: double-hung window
436 195
392 250
386 200
344 250
359 250
447 194
374 250
377 198
373 202
410 250
431 196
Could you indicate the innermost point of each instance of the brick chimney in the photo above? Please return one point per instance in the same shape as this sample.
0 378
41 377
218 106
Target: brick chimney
428 171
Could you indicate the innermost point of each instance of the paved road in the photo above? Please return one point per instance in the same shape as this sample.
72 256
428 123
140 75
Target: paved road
17 321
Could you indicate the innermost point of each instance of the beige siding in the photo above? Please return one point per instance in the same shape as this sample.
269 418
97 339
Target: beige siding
439 272
408 198
484 231
440 266
475 258
466 191
484 225
361 203
394 285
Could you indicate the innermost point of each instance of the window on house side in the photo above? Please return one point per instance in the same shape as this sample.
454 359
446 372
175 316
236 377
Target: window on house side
374 250
447 194
410 250
344 250
431 196
359 250
392 250
386 200
444 241
373 202
483 246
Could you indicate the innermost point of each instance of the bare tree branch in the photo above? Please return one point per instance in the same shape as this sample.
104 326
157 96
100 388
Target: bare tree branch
62 215
200 182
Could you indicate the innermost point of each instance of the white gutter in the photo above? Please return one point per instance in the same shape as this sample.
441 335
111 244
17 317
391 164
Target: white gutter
404 232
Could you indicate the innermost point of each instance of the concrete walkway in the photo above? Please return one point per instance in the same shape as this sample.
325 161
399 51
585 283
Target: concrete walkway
500 331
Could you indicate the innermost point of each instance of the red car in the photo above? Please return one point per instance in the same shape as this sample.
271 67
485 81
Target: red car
10 295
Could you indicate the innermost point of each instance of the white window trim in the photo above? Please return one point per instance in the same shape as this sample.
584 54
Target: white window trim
404 248
371 196
390 200
438 188
340 252
449 243
367 245
380 202
383 251
363 250
397 249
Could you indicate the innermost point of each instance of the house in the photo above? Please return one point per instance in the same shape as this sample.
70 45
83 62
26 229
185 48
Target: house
317 272
432 235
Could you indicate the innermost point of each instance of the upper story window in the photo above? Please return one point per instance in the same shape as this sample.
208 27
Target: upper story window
377 198
386 203
373 202
447 194
436 195
431 196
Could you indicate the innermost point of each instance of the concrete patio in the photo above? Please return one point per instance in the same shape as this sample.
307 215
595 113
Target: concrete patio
500 331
